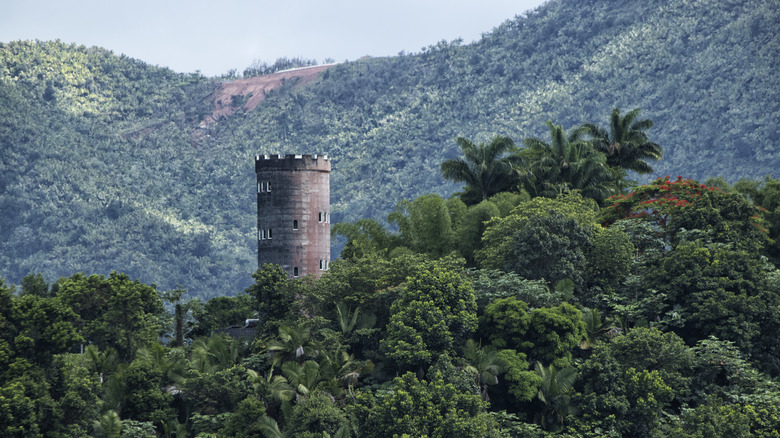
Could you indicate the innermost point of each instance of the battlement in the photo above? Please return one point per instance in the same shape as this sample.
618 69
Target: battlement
293 212
292 162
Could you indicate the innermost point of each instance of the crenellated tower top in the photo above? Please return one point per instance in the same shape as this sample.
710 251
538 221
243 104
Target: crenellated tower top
293 212
286 162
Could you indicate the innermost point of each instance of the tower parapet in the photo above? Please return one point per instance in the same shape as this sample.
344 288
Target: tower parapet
293 212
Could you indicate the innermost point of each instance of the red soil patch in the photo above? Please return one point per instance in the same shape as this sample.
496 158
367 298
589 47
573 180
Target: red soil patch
256 88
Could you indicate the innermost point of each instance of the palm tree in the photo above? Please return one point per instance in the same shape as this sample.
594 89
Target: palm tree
271 388
216 353
172 367
486 169
347 319
626 144
293 343
174 429
114 390
303 378
341 432
102 362
554 392
485 362
108 426
566 163
339 370
596 328
270 428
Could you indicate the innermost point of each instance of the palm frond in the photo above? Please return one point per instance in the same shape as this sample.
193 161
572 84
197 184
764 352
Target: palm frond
270 428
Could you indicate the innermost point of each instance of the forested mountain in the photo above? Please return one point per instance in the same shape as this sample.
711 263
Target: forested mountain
105 165
551 297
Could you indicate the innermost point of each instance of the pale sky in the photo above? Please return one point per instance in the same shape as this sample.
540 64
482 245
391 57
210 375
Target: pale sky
218 35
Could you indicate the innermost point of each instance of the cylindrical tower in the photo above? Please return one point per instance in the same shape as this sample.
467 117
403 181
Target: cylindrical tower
293 212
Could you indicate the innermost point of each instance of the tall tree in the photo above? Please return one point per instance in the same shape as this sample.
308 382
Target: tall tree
674 206
423 408
566 163
486 169
629 383
554 392
434 314
626 143
274 298
473 226
766 194
486 363
425 225
115 311
542 238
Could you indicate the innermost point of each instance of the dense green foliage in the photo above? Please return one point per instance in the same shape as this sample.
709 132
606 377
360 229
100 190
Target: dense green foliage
104 161
530 304
486 169
101 167
642 329
698 69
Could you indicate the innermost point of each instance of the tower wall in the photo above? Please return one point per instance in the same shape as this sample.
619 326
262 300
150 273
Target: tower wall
293 212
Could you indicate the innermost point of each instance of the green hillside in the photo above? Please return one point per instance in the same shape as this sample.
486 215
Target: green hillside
104 166
700 70
102 169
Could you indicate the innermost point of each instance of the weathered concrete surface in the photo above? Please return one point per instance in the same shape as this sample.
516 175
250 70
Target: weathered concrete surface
293 190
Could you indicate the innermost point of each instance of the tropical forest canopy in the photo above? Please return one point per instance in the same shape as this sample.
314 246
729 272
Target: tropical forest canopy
511 265
107 162
656 315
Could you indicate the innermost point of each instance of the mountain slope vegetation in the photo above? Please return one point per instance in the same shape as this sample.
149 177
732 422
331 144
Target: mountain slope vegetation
104 165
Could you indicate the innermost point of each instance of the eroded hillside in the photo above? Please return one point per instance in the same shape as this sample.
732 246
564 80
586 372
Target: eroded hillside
247 93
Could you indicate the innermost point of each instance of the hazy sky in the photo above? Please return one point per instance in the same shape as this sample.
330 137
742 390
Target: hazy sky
215 36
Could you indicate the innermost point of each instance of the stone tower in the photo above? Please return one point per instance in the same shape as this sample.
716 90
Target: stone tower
293 212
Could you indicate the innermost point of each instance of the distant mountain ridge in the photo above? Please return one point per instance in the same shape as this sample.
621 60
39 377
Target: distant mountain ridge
105 162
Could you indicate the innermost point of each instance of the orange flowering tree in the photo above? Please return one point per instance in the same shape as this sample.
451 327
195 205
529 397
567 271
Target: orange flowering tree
684 204
711 279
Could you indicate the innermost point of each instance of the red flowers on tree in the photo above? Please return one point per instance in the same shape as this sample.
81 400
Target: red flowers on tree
687 204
